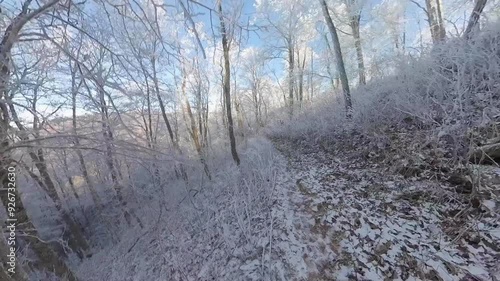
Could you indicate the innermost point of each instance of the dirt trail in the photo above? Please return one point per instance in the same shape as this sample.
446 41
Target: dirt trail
337 218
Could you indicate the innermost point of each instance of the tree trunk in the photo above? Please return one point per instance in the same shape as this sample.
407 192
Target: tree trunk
151 138
109 159
200 113
474 18
435 19
311 85
76 141
72 185
291 78
162 107
47 258
77 242
237 108
173 138
328 64
339 59
192 129
239 115
226 88
301 66
442 29
256 100
354 23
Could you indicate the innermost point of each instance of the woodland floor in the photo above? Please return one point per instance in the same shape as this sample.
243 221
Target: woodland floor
337 217
332 215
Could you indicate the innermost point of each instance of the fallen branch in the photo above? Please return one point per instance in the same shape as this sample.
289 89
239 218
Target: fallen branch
489 153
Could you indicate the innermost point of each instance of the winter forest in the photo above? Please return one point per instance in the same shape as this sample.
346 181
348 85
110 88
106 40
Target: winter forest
249 140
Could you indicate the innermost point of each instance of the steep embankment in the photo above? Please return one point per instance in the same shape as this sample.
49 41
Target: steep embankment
206 230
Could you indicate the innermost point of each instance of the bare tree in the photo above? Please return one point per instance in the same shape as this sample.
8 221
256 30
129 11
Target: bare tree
99 74
434 13
47 259
226 85
195 132
287 28
290 42
354 10
333 79
83 166
301 64
474 17
339 59
253 74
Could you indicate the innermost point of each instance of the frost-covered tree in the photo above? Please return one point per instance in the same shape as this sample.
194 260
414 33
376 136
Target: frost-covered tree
226 38
474 17
339 59
434 11
289 21
354 10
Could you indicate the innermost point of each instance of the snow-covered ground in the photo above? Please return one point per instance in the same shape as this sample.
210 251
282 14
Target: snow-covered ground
340 219
331 216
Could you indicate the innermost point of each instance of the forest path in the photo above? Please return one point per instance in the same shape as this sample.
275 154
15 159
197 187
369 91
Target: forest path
338 218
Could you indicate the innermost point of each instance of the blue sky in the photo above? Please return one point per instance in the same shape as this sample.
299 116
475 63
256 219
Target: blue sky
249 11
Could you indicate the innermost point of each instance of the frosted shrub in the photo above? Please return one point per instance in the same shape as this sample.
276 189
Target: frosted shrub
453 87
204 230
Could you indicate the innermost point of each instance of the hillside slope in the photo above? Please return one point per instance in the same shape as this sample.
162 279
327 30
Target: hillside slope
406 190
